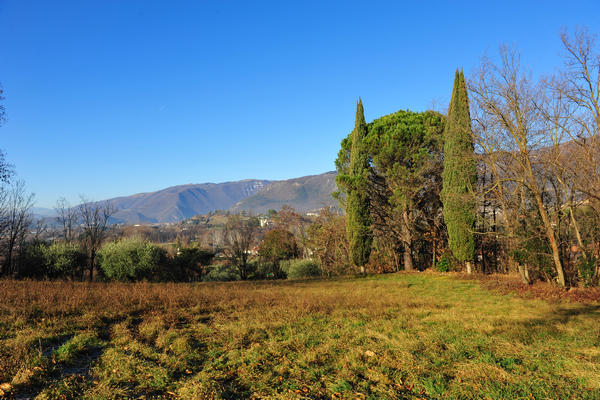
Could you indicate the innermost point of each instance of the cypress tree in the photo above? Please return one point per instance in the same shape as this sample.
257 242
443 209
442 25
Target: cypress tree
460 175
358 220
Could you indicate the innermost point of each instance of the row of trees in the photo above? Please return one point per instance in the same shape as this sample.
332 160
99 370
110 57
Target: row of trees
84 245
509 181
15 203
83 228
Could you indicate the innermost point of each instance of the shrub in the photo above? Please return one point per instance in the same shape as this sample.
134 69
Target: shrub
443 264
586 268
297 269
131 259
188 263
58 260
221 273
269 270
32 260
64 259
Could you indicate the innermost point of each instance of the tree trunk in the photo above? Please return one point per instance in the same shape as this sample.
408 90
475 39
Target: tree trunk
469 267
547 225
577 234
433 255
408 261
524 273
9 266
92 260
407 241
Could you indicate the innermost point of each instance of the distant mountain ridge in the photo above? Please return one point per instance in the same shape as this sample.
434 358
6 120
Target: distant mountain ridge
176 203
180 202
183 201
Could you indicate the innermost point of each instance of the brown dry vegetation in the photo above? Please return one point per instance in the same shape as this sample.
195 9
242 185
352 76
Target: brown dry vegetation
388 336
512 284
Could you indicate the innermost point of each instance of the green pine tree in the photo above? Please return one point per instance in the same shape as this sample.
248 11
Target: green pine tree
358 220
460 175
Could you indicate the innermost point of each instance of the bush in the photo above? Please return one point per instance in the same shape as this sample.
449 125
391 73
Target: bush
269 270
131 259
297 269
32 260
221 273
586 268
188 263
58 260
443 264
64 259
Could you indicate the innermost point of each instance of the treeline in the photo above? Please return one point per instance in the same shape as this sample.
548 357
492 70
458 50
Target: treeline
507 181
86 246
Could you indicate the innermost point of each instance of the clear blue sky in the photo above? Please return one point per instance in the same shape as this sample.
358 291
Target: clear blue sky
110 98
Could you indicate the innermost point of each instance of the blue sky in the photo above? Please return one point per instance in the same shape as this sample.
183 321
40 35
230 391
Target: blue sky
111 98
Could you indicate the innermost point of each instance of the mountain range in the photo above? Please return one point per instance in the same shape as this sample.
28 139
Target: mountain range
256 196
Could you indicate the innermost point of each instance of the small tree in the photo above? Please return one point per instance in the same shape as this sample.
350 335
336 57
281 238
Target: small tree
460 175
239 237
94 224
190 262
327 242
16 220
278 245
67 219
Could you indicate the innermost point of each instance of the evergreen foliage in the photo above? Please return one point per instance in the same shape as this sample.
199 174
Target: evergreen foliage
131 259
190 262
460 174
405 148
354 183
64 259
301 268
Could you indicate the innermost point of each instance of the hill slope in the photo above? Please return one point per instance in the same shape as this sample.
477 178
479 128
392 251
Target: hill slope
304 194
179 202
184 201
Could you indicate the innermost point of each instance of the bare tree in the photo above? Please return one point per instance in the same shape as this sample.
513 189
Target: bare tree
509 99
39 228
95 218
239 236
17 220
2 119
67 218
576 94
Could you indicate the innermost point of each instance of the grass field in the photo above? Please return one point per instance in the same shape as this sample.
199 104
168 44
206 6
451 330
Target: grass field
382 337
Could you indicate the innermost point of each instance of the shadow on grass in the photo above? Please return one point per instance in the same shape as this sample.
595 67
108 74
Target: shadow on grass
564 315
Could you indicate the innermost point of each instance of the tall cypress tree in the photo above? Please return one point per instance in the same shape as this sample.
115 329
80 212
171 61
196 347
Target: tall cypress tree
460 175
358 220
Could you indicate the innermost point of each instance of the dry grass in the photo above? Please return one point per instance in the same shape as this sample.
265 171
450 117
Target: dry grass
392 336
